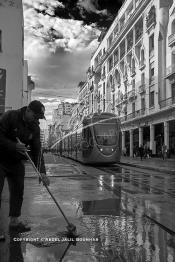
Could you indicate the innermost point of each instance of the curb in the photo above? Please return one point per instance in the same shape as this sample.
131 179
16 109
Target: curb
172 172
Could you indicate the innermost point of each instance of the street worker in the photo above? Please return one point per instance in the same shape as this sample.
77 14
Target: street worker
19 129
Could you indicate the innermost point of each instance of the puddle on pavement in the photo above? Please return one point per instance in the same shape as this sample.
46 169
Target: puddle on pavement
112 229
111 232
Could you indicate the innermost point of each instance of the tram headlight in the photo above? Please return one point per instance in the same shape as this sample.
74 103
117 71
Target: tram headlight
112 149
101 149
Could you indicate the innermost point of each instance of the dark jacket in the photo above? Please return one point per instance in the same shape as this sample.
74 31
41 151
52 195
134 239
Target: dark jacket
12 125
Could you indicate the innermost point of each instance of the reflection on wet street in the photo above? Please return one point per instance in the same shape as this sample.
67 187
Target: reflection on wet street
120 215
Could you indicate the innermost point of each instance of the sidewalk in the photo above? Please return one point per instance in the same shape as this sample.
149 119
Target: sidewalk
157 164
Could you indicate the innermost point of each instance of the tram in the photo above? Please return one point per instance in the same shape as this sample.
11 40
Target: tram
96 140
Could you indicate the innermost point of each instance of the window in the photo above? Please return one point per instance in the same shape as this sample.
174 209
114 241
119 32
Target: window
0 41
133 109
88 136
142 58
151 72
103 105
92 102
143 103
173 93
117 77
143 79
151 45
105 134
103 88
110 65
122 49
103 72
110 40
113 100
116 57
151 101
133 66
116 29
133 84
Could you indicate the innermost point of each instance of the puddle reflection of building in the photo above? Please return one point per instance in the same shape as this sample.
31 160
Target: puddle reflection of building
102 207
124 232
152 241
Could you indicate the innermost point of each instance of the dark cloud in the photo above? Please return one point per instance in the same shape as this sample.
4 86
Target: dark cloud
98 12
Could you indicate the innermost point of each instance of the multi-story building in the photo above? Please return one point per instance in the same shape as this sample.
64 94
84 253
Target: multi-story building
83 99
65 108
132 73
61 120
11 54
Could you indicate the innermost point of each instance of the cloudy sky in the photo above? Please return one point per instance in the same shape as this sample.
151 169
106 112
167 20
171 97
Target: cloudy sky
60 37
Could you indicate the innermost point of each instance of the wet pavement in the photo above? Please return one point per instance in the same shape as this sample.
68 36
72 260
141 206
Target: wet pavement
158 164
121 214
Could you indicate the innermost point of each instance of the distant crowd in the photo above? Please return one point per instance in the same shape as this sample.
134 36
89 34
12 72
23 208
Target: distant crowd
143 151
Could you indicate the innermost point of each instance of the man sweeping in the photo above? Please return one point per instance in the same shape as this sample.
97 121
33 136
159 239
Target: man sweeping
19 125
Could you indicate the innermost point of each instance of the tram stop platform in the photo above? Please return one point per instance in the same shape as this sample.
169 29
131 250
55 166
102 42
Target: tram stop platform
156 164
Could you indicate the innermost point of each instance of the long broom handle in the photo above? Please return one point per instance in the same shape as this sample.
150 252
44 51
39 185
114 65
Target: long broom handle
38 173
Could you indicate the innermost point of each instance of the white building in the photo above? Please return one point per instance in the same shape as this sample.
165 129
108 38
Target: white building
11 54
132 73
83 99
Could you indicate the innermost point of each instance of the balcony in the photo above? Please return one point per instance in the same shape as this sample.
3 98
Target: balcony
170 71
133 115
167 102
132 94
171 40
142 89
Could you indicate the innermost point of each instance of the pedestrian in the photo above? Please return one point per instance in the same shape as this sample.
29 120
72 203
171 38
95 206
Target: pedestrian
145 151
24 125
149 153
141 152
164 152
124 151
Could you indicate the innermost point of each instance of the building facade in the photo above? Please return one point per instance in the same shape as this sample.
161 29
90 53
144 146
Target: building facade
61 120
11 54
132 74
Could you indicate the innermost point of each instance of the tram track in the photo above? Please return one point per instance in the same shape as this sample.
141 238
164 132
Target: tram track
112 171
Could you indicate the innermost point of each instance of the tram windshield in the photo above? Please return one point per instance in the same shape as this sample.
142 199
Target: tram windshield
106 134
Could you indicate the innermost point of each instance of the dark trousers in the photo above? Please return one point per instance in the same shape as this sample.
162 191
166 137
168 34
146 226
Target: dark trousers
15 177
